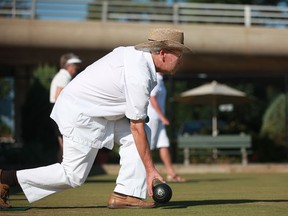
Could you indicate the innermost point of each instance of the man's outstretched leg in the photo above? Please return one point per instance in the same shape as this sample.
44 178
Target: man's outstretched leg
40 182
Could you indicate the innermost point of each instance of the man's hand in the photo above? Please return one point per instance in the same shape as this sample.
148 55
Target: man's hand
151 177
165 121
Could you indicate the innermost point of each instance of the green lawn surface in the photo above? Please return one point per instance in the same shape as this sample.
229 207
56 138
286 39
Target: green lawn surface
259 194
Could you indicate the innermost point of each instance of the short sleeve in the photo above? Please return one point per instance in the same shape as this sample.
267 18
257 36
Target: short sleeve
139 81
63 80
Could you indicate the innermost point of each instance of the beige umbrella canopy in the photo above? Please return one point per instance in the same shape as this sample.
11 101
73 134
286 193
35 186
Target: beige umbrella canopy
213 94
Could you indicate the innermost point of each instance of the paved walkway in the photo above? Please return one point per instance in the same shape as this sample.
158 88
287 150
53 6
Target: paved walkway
215 168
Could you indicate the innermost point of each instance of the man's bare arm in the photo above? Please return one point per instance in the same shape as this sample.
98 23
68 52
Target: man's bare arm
139 135
58 91
157 108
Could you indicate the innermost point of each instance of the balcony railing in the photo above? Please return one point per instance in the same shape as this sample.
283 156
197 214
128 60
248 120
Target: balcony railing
128 11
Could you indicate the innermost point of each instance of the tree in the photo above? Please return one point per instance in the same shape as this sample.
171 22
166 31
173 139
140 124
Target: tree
5 109
274 126
40 144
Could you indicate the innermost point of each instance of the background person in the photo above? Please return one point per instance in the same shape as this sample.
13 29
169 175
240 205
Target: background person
69 65
157 123
92 112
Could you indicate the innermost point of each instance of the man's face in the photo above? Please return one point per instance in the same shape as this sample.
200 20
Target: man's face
73 69
171 60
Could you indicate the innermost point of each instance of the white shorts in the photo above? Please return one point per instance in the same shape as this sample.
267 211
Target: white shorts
159 138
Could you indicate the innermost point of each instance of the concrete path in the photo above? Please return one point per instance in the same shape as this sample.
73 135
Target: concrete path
215 168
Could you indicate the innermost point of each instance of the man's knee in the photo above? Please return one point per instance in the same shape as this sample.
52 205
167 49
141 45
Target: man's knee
75 180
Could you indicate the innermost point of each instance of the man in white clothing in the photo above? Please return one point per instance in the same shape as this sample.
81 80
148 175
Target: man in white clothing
106 104
69 65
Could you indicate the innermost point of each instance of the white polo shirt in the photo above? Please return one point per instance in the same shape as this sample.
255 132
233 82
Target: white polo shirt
61 79
117 85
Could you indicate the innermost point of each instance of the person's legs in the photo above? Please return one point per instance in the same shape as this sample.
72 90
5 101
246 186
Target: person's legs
166 159
163 145
132 175
159 140
72 172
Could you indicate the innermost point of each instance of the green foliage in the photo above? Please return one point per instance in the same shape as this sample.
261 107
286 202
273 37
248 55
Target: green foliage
5 87
40 143
5 90
4 129
274 126
265 150
44 74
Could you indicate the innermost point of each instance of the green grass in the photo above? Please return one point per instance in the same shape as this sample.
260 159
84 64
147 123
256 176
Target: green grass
204 194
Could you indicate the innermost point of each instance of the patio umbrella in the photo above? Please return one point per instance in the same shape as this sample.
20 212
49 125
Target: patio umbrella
213 94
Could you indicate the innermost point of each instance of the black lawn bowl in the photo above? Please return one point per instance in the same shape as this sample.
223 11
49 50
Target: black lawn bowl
162 193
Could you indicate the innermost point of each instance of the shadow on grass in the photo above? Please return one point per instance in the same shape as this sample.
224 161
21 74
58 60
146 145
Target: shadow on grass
186 204
70 207
170 205
25 208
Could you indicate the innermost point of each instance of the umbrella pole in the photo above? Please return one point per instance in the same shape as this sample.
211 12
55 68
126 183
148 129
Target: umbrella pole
214 129
214 119
214 126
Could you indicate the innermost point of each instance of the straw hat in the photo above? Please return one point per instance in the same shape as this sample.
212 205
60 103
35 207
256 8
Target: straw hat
164 38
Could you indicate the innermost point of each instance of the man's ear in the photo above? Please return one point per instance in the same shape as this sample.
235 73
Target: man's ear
162 54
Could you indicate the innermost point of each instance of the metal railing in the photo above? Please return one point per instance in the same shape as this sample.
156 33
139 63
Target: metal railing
128 11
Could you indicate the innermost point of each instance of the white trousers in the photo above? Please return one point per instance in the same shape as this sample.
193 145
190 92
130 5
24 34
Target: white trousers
78 159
